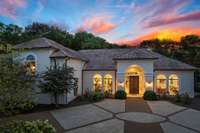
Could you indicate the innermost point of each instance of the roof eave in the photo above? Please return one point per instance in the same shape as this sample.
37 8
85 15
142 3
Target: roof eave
191 69
68 57
135 58
32 47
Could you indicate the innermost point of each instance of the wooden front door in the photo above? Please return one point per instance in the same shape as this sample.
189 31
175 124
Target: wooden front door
134 84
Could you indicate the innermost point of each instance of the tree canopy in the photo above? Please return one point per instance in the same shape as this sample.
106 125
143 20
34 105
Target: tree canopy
13 34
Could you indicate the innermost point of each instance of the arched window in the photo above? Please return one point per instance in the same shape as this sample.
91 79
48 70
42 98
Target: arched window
108 83
31 64
97 82
161 84
173 84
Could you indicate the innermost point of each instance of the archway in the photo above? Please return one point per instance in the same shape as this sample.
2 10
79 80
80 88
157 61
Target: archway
134 80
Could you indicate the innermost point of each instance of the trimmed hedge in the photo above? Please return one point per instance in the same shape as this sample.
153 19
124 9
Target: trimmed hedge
95 96
120 94
37 126
150 95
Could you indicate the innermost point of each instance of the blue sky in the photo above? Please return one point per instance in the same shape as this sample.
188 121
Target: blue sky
121 21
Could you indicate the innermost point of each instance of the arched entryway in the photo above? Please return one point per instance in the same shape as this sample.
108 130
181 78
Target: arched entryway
134 80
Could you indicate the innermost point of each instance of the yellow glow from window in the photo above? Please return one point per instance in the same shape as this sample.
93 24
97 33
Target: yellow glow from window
107 82
161 84
173 84
97 82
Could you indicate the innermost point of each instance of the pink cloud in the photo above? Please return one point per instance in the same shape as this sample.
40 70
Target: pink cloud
98 24
162 12
8 8
194 16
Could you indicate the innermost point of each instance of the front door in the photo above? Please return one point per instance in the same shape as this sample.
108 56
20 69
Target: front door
134 84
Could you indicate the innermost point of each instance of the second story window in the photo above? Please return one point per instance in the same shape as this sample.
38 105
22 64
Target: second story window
31 64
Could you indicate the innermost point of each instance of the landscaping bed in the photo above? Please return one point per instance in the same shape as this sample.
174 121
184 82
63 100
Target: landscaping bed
48 107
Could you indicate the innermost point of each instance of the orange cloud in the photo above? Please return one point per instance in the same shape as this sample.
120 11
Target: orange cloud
8 7
172 34
98 24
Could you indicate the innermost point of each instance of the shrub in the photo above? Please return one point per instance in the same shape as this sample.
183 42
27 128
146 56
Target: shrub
150 95
164 96
177 98
108 93
95 96
186 98
120 94
58 80
15 85
37 126
19 108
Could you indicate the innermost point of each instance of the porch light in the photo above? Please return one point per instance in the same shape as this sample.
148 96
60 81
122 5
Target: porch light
121 84
33 68
149 84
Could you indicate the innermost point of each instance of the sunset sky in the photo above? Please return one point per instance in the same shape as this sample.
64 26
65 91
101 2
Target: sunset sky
119 21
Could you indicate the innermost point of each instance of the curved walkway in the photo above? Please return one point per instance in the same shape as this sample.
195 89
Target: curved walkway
139 105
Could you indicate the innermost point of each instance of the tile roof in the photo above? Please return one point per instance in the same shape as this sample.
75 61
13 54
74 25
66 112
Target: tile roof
165 63
60 51
105 59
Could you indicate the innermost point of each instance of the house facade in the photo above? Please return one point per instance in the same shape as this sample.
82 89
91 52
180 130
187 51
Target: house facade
132 69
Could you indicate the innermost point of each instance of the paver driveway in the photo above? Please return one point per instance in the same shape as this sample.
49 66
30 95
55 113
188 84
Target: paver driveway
80 116
132 115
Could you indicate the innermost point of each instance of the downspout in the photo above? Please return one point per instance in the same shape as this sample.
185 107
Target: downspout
65 63
82 79
115 80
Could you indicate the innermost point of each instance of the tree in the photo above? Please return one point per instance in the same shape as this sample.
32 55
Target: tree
15 86
190 40
58 80
13 34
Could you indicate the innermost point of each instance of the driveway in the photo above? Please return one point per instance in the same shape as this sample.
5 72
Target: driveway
122 116
128 116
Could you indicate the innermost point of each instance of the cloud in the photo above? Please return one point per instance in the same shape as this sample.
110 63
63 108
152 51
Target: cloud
8 8
98 24
162 12
172 34
194 16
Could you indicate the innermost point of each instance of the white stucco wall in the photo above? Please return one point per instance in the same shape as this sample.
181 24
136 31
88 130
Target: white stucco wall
78 66
41 55
146 65
88 79
43 62
186 80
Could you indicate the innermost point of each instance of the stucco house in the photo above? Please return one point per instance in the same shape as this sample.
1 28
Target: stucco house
133 69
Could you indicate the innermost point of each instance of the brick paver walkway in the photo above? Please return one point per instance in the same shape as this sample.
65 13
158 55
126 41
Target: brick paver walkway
139 105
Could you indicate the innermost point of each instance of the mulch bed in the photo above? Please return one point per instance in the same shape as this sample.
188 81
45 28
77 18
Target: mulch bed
49 107
195 104
41 112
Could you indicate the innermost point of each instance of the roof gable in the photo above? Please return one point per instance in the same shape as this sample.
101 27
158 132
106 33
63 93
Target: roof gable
60 51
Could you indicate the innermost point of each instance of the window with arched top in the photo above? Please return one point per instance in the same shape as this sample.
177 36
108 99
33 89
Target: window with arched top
173 84
31 64
108 82
97 82
161 84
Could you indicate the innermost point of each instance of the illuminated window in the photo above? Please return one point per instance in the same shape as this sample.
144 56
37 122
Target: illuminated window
31 64
173 84
161 83
97 82
107 82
